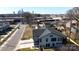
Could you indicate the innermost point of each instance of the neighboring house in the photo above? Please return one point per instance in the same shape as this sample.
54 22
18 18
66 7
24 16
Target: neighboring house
48 38
71 24
68 23
4 25
40 25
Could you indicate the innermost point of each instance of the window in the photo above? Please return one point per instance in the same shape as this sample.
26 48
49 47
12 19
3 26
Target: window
51 35
58 44
40 40
59 39
53 39
46 39
47 45
53 44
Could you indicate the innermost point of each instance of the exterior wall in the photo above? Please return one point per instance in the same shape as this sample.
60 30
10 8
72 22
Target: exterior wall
4 25
36 41
56 43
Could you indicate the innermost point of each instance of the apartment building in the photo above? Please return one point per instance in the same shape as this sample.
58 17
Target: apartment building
4 25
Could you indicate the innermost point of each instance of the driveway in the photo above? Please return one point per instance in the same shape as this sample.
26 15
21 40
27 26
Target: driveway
25 44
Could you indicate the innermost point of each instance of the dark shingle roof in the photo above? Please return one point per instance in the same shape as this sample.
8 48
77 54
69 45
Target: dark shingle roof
39 32
56 32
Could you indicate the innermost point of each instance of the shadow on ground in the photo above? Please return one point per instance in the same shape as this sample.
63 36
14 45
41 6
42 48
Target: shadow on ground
6 31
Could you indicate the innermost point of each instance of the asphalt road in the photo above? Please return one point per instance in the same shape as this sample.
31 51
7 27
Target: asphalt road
12 42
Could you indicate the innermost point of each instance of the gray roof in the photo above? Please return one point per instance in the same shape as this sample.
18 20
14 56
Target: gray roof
46 32
54 31
40 32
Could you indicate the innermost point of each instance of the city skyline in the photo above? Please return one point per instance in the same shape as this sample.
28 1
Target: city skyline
41 10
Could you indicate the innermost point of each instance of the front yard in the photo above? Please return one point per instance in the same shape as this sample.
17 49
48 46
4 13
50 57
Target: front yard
33 49
27 49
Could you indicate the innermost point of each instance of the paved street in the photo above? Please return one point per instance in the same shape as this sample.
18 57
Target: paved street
12 42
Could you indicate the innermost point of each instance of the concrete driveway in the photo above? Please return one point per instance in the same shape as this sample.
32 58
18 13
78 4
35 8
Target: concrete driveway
25 44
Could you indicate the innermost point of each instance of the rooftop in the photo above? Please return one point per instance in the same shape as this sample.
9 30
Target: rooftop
42 32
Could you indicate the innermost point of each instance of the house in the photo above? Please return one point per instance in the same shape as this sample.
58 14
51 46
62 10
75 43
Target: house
48 38
35 26
4 25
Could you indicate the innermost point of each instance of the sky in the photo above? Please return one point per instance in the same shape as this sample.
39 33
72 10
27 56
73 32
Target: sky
42 10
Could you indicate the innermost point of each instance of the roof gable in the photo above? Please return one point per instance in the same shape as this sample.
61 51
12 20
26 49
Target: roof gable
53 31
46 32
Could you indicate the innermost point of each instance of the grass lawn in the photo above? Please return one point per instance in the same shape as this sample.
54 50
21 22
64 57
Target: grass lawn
77 41
0 37
28 33
27 49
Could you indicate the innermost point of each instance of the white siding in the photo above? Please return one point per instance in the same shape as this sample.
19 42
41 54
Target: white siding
49 40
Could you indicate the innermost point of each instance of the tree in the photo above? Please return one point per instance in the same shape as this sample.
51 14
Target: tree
74 14
28 17
69 14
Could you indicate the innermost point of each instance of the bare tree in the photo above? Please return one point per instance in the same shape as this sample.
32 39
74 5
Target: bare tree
69 14
73 14
28 17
